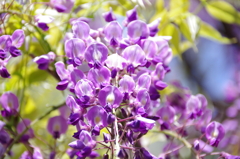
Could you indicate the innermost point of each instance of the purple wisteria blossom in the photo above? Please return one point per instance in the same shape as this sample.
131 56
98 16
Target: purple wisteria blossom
43 61
9 102
214 133
62 6
56 126
43 20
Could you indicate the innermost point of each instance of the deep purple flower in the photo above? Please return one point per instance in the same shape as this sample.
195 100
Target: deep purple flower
228 156
131 15
4 137
96 54
81 30
63 6
3 54
106 137
85 140
9 102
153 27
43 61
14 51
214 133
134 55
109 16
153 93
22 126
56 126
4 72
141 124
42 21
110 95
96 115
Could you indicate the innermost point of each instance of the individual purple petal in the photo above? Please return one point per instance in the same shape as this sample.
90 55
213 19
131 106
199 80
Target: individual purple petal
76 75
143 98
74 49
166 114
43 26
84 87
61 71
56 126
153 27
3 54
2 124
132 15
153 93
77 144
96 54
134 55
106 137
42 61
150 48
9 102
22 126
113 30
62 85
195 106
137 30
115 61
159 72
81 30
4 138
143 82
160 85
109 16
86 138
18 38
5 42
63 6
4 72
164 54
73 105
126 84
96 115
110 95
214 133
99 77
204 119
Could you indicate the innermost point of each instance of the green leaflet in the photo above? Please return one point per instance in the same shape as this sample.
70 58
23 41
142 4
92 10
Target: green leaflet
223 11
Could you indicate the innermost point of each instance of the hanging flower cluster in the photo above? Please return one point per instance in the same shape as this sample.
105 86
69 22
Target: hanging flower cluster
115 81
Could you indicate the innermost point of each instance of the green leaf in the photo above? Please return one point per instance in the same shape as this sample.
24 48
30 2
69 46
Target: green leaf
211 33
223 11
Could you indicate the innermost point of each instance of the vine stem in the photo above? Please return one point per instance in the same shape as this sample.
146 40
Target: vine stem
181 139
28 127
